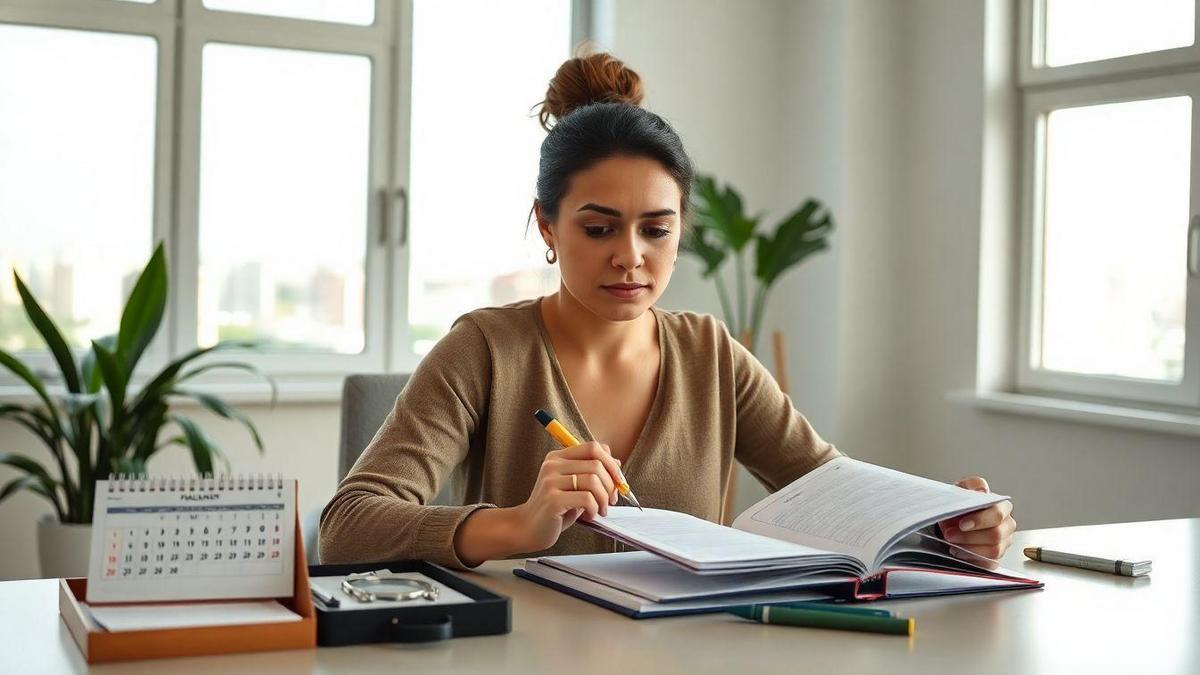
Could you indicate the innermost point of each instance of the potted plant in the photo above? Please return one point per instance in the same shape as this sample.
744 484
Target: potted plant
103 424
721 229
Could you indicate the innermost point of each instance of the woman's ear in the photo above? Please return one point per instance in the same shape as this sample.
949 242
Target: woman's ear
543 224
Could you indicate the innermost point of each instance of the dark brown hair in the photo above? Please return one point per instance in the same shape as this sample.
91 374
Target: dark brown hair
594 101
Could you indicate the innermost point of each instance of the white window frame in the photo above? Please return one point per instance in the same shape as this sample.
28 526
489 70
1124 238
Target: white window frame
1137 77
201 26
182 28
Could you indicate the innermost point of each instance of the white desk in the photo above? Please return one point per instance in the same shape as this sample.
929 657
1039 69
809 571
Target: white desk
1080 620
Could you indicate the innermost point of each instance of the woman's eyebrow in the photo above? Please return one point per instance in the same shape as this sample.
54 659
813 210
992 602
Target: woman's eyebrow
608 211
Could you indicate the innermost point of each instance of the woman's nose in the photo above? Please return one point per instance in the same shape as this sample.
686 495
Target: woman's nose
629 252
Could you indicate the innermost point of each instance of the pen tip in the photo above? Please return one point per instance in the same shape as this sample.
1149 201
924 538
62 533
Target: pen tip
543 416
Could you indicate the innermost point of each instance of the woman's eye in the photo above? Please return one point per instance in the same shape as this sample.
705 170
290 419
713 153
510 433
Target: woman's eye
658 232
595 231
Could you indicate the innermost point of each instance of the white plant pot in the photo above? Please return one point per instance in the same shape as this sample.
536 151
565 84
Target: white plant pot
63 548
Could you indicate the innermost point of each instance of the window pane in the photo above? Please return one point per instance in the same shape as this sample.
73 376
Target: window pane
1116 210
475 156
358 12
1091 30
77 119
283 197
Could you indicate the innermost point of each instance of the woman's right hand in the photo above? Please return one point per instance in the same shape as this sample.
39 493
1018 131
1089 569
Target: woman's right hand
557 501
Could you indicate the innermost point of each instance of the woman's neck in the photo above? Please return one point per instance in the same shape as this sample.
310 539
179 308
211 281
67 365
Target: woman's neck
576 328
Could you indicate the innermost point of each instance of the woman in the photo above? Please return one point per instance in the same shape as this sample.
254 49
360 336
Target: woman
669 399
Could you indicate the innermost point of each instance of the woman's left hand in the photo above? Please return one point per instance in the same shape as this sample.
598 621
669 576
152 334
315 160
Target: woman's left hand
986 532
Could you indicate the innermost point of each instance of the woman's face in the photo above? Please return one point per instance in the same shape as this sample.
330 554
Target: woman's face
617 236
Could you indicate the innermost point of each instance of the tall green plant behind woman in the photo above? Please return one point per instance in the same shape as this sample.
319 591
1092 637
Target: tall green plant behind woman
721 229
103 425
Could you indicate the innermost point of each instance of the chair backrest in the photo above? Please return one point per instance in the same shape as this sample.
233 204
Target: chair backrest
366 402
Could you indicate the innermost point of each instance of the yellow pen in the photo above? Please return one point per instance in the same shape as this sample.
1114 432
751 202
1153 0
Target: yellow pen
566 439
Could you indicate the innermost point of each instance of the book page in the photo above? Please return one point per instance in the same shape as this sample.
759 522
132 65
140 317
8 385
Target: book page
653 578
857 508
693 541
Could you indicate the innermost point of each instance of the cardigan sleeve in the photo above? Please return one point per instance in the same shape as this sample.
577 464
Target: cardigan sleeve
380 510
774 441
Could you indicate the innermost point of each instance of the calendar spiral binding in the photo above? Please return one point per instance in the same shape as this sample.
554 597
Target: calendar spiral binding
208 483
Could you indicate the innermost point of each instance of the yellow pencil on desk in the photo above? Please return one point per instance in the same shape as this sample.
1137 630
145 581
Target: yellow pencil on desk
566 439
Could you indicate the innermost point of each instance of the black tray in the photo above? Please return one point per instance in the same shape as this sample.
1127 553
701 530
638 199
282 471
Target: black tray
490 614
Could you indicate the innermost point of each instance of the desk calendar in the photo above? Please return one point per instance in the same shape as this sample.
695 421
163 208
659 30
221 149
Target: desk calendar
192 539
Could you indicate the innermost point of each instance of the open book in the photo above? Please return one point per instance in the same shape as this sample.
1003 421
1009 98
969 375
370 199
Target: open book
843 528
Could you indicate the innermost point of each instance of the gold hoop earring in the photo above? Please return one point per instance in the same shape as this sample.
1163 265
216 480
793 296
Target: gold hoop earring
551 256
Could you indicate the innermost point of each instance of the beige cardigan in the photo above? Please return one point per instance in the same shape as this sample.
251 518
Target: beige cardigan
468 408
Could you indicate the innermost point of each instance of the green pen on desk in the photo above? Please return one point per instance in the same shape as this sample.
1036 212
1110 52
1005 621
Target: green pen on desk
821 618
827 607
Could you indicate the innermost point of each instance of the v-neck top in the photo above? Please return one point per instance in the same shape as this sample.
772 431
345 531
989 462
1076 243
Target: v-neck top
585 433
466 415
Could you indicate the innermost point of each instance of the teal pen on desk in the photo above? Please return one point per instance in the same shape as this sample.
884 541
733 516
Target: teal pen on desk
839 619
827 607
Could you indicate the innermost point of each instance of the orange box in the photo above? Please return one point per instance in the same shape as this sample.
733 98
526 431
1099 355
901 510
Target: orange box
101 646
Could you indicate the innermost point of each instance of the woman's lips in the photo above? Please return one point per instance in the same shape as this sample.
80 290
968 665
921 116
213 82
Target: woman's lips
625 293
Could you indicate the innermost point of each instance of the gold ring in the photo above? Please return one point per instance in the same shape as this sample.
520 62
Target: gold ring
574 481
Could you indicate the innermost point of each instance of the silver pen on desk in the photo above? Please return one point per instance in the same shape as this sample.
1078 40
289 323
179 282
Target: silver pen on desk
326 598
1124 568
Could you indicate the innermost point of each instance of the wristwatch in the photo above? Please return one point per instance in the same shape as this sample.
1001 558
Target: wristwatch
387 585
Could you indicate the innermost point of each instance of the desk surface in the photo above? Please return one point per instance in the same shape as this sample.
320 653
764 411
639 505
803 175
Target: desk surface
1081 619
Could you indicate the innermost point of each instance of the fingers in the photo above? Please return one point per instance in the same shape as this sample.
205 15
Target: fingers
591 483
991 542
976 483
592 450
985 518
579 500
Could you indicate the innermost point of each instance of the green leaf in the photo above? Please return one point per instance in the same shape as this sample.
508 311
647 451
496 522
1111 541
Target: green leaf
165 379
694 242
50 333
75 404
235 365
803 233
147 429
129 466
143 311
27 465
720 212
33 484
35 480
20 370
115 378
91 374
223 409
202 448
28 418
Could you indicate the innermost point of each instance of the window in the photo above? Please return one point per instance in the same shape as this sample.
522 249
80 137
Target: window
76 190
1111 301
474 166
322 173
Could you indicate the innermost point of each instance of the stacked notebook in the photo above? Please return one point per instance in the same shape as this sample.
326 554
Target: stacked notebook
848 530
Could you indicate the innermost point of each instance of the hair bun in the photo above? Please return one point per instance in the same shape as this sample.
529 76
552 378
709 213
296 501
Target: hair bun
592 78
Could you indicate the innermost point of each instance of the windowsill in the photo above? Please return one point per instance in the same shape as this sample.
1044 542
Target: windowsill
1106 414
315 389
